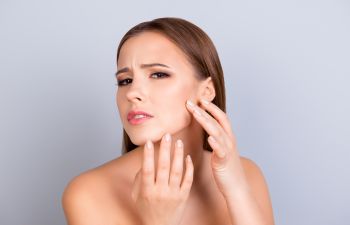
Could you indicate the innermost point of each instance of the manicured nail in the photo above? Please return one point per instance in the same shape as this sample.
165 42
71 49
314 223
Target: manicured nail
167 137
206 102
179 143
149 144
190 103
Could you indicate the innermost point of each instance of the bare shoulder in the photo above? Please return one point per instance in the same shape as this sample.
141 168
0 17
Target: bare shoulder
96 196
78 201
258 186
255 177
251 168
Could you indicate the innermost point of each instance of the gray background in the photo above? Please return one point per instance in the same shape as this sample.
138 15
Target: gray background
287 74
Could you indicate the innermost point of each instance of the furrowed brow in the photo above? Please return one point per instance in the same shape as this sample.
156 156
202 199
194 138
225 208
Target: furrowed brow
126 69
153 64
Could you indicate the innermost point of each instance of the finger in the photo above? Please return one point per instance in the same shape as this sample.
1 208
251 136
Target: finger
148 165
218 114
210 125
177 166
164 161
136 186
218 150
188 178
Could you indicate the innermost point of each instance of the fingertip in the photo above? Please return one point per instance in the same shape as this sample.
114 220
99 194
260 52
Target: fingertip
204 101
190 103
149 144
148 150
179 143
189 160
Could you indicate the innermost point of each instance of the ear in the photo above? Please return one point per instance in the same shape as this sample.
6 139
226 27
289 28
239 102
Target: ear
207 90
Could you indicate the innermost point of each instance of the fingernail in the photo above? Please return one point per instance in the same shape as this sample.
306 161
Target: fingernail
205 101
190 103
149 144
179 143
167 137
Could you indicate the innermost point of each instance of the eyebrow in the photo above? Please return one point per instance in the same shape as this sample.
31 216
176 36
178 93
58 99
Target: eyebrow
126 69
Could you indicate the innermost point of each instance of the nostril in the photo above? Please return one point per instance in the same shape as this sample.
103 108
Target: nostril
134 96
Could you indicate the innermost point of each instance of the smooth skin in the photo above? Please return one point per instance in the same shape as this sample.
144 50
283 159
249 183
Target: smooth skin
162 198
227 169
218 187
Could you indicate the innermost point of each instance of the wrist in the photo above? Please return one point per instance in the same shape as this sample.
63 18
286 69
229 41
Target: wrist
238 191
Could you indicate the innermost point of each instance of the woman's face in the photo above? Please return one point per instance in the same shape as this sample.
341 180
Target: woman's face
155 77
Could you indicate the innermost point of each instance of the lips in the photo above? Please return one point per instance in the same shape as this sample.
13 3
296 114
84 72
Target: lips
136 115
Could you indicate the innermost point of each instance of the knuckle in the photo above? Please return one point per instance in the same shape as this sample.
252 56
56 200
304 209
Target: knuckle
176 173
146 195
147 171
163 166
161 196
216 132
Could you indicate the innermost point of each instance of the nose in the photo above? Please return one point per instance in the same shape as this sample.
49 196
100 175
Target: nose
136 92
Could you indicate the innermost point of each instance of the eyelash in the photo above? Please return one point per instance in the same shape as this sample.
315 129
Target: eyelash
122 82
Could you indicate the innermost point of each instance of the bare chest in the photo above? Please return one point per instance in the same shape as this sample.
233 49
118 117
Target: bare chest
211 210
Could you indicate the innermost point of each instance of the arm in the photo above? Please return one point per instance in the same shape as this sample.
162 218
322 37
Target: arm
80 204
251 204
240 181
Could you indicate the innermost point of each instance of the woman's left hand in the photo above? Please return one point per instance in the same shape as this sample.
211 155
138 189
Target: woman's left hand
225 161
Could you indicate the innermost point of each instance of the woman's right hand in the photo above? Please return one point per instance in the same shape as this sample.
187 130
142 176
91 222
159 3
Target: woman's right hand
160 199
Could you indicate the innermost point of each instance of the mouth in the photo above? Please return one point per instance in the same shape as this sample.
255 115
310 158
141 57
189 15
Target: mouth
138 117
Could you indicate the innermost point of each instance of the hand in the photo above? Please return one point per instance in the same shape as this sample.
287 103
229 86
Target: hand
225 162
161 199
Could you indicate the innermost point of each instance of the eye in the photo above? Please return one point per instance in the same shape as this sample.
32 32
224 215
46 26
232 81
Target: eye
157 75
124 82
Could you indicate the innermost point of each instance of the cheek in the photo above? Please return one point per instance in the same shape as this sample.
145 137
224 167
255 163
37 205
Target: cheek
118 101
173 112
176 113
121 105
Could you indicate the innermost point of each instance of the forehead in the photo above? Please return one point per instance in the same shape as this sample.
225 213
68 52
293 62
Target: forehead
151 47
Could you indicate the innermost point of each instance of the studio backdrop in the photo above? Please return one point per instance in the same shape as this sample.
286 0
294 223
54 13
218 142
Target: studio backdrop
287 73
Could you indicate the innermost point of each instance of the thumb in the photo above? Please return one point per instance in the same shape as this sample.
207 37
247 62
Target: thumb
136 186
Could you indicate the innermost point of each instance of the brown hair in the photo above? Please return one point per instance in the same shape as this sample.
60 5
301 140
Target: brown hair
198 48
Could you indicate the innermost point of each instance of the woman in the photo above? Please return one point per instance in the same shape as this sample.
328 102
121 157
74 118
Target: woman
180 163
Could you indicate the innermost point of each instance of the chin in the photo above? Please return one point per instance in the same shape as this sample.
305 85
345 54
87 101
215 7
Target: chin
139 138
155 133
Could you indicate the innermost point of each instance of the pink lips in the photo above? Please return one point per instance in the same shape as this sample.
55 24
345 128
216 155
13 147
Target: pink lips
137 117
